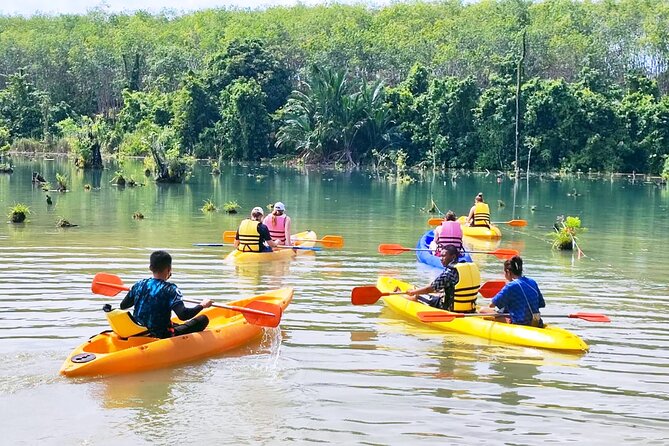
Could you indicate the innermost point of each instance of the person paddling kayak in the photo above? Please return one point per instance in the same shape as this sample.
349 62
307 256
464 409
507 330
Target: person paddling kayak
252 235
521 297
154 300
459 282
479 214
278 224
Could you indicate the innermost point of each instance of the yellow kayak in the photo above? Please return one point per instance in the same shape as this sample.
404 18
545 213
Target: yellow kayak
484 232
549 337
107 353
301 239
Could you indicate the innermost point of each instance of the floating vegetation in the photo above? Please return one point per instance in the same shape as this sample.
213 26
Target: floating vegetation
209 206
231 207
118 179
138 216
61 180
566 231
62 223
18 213
6 168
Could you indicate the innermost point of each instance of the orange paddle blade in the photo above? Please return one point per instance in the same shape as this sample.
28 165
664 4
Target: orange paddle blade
107 284
499 253
392 249
328 241
229 236
435 221
491 287
270 318
332 241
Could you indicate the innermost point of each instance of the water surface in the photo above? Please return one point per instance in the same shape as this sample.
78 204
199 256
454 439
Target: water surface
334 373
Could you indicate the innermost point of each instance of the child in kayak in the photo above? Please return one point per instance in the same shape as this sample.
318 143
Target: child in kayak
155 299
521 297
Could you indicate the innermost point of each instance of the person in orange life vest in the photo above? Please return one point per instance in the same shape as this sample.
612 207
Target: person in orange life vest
479 214
448 233
279 224
252 235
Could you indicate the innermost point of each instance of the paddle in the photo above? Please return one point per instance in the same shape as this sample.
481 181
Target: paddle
394 249
439 316
364 295
329 241
304 248
491 288
434 221
261 313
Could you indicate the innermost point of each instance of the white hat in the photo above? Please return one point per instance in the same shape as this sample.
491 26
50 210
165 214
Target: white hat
257 210
278 206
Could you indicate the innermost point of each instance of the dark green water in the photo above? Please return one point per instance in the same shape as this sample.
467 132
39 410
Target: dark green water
334 372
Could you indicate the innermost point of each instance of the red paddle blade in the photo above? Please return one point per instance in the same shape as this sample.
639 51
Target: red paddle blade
392 249
590 317
229 236
263 320
437 316
434 221
107 284
517 223
491 287
365 295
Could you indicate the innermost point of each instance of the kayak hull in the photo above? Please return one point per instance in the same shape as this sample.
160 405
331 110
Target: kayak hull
107 353
482 232
550 337
302 239
428 257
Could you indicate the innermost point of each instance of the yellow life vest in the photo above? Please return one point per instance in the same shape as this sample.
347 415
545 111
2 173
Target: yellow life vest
122 324
249 237
467 287
481 214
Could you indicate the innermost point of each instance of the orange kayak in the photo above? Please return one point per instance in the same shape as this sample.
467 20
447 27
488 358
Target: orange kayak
107 353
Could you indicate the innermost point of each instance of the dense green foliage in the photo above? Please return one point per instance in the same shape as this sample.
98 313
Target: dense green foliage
433 83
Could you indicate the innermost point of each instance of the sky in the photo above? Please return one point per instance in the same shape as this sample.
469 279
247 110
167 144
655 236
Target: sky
54 7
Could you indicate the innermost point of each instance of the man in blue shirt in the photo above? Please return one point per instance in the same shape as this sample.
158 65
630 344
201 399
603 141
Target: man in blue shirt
154 300
521 297
445 282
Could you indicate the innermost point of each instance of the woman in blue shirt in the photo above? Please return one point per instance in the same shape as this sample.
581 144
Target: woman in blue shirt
521 297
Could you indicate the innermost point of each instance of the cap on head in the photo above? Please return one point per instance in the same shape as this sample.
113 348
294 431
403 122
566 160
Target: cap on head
278 206
257 211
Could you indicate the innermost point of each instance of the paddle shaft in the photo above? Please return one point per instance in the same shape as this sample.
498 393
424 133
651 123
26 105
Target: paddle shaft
213 304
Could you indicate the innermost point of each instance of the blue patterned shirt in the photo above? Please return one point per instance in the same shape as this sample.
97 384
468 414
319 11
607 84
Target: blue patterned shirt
520 298
154 300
